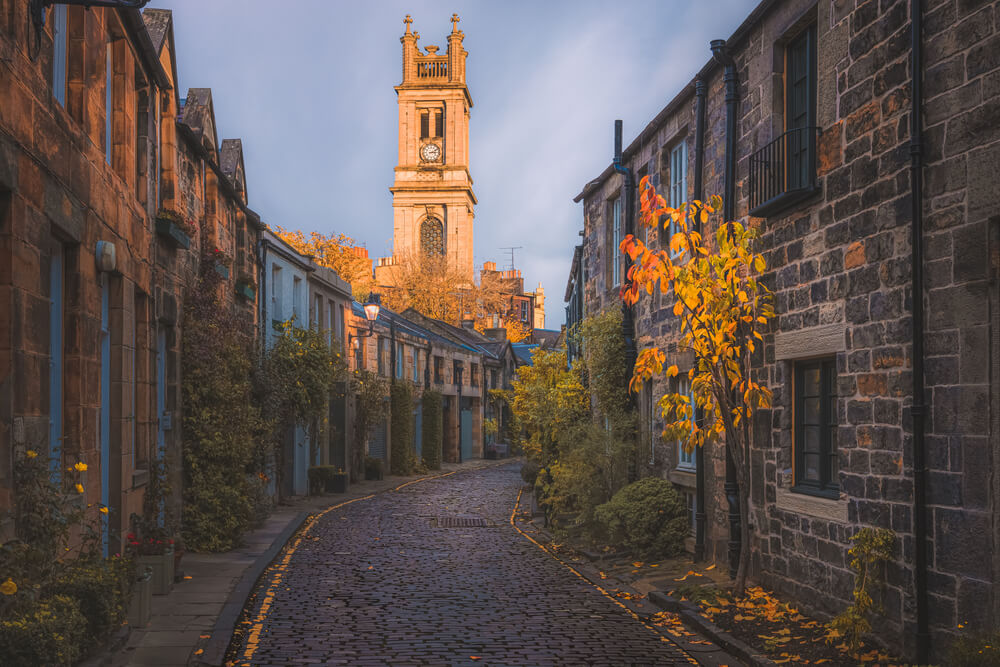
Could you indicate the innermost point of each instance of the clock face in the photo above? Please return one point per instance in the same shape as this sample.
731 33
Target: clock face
430 152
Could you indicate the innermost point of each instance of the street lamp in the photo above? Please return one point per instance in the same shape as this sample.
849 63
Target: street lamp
371 307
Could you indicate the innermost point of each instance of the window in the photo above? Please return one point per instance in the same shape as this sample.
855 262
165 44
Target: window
276 306
692 508
493 379
416 365
524 311
439 123
685 460
109 111
816 469
425 124
381 355
438 370
399 360
474 375
456 372
317 314
297 299
432 236
59 52
784 171
616 239
359 354
678 183
343 325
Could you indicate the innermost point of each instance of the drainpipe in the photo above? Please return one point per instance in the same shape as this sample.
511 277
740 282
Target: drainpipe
628 322
917 408
722 56
699 163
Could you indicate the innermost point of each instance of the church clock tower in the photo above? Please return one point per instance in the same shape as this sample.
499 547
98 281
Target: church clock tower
432 199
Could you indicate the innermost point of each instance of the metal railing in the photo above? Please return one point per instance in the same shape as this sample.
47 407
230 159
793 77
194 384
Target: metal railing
785 166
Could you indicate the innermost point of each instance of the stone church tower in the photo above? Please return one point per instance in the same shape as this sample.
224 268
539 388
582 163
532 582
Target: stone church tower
432 199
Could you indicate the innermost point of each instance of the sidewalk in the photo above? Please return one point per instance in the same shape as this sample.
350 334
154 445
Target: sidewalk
201 611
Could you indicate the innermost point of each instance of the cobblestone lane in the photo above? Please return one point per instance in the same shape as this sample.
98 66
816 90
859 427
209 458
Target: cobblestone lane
392 580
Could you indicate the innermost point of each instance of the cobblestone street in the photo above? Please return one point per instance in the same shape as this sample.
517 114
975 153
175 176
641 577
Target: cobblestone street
433 573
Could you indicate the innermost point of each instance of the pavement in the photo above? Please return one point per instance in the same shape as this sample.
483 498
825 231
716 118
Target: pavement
438 572
187 624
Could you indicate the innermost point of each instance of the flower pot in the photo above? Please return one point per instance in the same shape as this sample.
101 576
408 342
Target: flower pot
140 608
162 566
337 483
170 232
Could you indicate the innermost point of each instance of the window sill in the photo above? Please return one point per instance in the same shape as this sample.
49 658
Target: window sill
683 477
831 509
780 203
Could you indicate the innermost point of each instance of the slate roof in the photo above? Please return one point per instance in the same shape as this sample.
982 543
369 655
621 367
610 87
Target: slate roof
230 155
157 22
387 318
523 352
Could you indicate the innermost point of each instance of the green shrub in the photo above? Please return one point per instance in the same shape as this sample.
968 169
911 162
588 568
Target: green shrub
432 426
529 472
50 632
403 454
976 651
101 589
648 518
216 513
373 468
320 475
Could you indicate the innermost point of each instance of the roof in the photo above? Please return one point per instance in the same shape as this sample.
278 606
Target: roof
283 248
388 318
466 337
546 338
523 352
230 156
577 252
157 23
738 35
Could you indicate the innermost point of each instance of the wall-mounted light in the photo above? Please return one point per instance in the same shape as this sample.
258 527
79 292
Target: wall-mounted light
107 261
371 306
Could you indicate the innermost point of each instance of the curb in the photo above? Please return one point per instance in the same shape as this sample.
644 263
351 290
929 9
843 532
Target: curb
215 647
691 615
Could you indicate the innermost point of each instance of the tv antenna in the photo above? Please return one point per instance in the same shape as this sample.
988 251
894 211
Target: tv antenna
511 249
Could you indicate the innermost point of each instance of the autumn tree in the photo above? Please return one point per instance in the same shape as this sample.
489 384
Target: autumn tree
723 308
338 252
516 329
429 285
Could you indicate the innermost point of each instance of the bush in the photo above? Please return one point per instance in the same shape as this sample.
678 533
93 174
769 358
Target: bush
320 475
50 632
216 513
101 590
529 472
403 455
976 651
432 425
373 468
647 517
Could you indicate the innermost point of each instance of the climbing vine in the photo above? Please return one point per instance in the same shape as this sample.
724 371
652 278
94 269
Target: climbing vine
370 390
432 425
403 456
872 548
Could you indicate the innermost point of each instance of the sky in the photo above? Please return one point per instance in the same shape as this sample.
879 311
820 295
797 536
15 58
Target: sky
308 86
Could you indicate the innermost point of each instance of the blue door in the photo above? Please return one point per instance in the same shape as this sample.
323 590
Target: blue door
466 435
104 428
55 362
300 471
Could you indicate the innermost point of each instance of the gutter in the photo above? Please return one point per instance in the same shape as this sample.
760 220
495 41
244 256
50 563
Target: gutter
628 320
699 165
917 408
721 54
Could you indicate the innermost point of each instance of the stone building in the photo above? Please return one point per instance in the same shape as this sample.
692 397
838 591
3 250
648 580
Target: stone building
432 199
109 199
809 121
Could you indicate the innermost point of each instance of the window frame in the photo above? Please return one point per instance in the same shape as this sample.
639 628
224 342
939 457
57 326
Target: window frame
60 52
826 486
616 239
678 184
685 462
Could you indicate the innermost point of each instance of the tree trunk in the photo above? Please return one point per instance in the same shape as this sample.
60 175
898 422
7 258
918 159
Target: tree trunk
740 584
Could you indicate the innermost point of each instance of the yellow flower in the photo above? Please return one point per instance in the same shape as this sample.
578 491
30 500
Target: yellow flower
8 587
80 466
79 488
31 453
104 510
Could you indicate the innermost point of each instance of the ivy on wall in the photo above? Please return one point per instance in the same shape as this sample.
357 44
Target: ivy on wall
370 390
432 427
403 456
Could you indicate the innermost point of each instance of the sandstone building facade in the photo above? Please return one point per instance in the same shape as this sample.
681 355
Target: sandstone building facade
818 103
432 198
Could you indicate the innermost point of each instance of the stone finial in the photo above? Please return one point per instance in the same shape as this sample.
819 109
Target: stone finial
408 21
454 22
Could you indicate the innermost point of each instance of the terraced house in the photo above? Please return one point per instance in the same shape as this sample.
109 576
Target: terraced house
845 131
114 192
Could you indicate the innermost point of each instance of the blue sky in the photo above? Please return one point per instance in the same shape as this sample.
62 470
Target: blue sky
308 86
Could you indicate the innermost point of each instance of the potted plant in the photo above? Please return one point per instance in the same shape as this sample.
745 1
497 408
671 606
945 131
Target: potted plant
173 228
327 479
337 482
141 606
153 546
221 262
373 468
245 286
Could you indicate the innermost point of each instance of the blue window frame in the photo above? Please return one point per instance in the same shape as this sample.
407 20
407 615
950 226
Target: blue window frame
59 52
678 182
685 460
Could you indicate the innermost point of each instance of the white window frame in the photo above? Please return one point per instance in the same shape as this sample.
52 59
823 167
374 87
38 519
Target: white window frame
685 461
678 183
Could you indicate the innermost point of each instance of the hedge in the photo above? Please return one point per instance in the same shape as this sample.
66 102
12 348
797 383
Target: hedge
402 458
432 436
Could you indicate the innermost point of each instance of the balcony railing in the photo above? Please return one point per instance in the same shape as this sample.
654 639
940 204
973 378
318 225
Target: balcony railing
783 172
436 68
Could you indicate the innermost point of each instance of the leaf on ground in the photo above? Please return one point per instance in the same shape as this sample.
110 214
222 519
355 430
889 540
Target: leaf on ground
710 567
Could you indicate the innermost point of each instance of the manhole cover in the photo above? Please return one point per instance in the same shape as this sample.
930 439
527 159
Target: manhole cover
462 522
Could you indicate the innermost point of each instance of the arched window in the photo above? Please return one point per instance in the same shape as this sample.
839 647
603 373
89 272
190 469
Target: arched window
432 236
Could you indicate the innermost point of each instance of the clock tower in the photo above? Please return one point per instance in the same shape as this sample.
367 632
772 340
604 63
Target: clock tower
432 199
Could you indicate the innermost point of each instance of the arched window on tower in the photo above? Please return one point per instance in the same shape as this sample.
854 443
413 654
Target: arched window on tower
431 236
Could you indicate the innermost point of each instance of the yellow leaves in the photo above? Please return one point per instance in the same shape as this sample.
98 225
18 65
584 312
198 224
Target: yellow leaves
672 371
79 488
80 466
104 510
31 453
8 587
